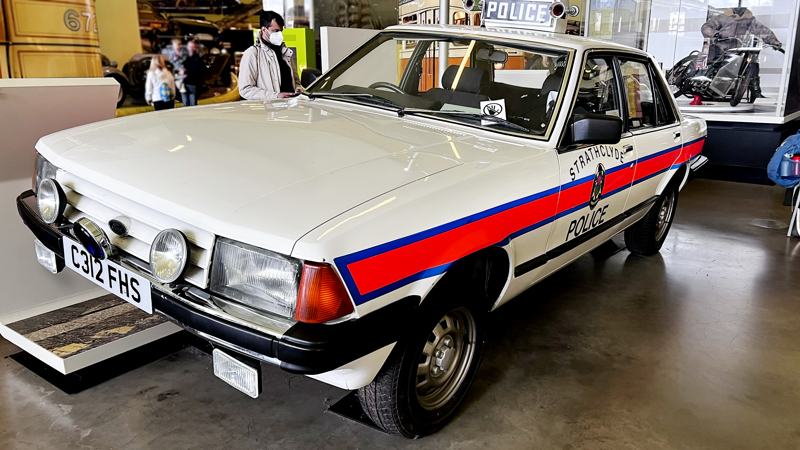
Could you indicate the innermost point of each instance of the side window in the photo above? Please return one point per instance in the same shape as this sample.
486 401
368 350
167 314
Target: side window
665 115
639 95
597 93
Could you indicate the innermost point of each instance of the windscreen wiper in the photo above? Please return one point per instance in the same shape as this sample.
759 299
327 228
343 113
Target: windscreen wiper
467 114
368 97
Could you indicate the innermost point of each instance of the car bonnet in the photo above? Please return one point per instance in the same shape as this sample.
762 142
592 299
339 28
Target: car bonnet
261 172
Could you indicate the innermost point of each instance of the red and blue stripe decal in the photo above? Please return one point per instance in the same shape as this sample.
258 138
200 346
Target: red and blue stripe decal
379 270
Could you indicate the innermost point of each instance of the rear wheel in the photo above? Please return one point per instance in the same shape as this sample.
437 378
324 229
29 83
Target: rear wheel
648 234
425 380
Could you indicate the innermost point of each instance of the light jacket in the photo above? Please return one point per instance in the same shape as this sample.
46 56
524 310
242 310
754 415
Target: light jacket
259 73
152 86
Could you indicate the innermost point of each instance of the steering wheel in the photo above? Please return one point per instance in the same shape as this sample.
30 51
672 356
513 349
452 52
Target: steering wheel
386 85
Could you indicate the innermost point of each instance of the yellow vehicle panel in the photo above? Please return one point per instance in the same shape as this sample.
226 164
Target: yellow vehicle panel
54 61
2 27
53 21
3 62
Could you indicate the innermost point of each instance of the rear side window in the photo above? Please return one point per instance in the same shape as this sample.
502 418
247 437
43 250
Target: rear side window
665 115
639 94
645 97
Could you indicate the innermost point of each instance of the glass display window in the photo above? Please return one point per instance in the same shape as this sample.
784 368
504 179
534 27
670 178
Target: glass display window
721 58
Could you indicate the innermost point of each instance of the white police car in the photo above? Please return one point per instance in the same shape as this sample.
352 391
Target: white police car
360 233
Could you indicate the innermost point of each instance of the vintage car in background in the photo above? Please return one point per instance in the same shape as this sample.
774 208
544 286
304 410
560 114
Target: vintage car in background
151 24
359 233
233 32
111 70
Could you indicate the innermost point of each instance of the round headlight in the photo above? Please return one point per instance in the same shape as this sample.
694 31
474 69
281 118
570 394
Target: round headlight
51 200
169 255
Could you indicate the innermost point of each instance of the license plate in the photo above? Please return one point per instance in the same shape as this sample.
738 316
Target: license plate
111 276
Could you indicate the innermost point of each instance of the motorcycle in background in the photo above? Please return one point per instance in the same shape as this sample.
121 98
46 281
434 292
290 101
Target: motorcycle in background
727 78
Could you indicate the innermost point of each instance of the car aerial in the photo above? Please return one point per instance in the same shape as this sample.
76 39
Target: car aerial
360 232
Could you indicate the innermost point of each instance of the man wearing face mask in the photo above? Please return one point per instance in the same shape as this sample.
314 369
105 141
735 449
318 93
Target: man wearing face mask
266 70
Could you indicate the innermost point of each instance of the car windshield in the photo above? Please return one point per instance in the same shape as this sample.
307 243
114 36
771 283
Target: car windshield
519 86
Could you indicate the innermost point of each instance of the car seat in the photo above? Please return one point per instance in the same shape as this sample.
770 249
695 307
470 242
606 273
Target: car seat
550 89
532 109
467 92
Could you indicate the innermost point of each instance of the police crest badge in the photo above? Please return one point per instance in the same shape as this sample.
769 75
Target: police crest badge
597 186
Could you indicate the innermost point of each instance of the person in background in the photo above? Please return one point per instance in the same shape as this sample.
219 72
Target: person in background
159 89
177 56
266 70
727 31
194 73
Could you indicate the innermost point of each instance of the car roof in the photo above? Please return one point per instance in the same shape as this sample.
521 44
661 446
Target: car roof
564 40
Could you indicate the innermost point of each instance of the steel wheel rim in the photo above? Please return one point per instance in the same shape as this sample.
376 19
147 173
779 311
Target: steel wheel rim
664 214
445 359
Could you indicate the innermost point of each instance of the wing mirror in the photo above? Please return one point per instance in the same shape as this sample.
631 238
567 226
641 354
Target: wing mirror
594 129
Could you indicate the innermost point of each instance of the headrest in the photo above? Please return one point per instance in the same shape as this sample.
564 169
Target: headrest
472 79
552 83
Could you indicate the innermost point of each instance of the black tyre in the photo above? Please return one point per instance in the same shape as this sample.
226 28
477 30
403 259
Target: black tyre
426 378
741 88
124 88
648 234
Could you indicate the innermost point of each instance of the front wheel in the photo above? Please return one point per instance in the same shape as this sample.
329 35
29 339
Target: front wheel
421 385
648 234
741 88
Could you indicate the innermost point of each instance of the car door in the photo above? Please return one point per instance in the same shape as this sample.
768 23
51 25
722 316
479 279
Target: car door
654 125
595 179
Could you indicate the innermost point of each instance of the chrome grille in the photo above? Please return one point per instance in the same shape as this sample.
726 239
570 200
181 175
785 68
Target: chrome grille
100 205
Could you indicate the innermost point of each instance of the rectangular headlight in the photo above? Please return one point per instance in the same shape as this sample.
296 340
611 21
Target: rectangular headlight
255 277
44 169
242 376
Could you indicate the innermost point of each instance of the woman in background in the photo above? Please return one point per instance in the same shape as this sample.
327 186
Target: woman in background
159 88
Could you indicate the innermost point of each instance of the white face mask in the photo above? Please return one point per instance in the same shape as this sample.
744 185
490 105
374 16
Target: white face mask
276 38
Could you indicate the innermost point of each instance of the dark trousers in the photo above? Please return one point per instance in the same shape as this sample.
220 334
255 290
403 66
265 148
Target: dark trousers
190 96
164 105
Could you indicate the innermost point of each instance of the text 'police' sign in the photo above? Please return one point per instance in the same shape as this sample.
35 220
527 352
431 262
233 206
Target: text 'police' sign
518 13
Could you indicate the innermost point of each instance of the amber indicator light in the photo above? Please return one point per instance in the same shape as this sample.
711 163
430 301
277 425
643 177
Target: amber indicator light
322 295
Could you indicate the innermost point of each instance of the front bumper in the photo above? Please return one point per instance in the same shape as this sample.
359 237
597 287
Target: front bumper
298 347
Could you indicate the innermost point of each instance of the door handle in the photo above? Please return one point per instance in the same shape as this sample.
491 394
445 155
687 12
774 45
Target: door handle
627 148
676 134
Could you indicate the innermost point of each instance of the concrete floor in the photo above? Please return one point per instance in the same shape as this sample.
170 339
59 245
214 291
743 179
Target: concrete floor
698 347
